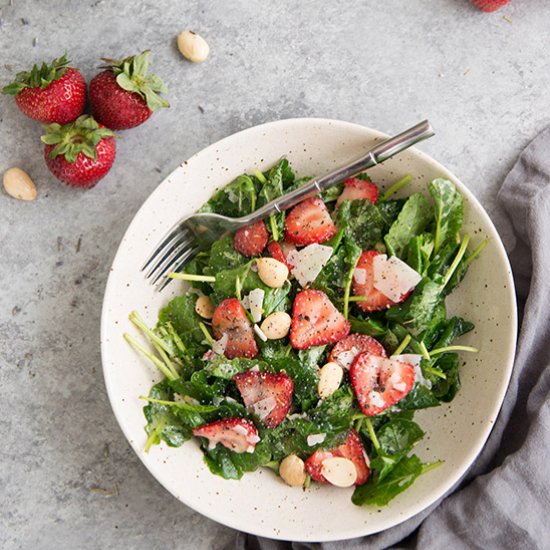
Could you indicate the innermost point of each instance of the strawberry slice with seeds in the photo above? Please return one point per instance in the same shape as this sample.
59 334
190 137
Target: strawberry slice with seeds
315 320
363 284
279 252
380 382
238 434
355 188
309 222
251 239
266 394
230 318
346 350
352 449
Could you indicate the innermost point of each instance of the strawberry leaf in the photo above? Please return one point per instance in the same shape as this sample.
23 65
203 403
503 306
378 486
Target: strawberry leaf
81 136
38 77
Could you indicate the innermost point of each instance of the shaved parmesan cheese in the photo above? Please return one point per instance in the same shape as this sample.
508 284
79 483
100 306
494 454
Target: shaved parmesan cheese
308 262
393 277
360 276
264 407
315 439
218 346
256 303
260 333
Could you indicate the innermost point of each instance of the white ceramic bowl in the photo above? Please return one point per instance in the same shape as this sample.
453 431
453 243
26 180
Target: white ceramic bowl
260 503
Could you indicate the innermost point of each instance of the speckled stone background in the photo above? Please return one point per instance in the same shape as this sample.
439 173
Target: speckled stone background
68 478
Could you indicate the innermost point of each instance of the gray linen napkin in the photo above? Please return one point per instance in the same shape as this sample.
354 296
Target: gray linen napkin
504 499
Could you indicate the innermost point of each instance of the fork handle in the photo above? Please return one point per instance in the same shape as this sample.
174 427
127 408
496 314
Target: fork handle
374 156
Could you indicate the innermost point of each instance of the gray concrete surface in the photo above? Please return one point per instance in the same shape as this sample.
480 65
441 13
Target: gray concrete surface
68 478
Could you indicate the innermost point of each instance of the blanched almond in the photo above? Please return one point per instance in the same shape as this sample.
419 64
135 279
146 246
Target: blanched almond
276 325
272 272
204 307
193 46
330 377
339 471
292 470
19 185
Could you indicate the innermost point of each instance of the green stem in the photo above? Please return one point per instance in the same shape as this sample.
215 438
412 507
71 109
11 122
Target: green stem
191 277
166 359
436 372
372 433
206 333
454 348
140 323
348 288
402 345
456 261
477 250
177 340
431 466
259 175
358 298
274 230
405 180
180 404
156 432
155 360
424 350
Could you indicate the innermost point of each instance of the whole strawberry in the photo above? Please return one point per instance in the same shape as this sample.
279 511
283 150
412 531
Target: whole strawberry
489 5
50 93
79 153
125 95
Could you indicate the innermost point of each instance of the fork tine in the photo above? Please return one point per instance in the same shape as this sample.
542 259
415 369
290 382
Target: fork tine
166 241
180 262
167 251
174 254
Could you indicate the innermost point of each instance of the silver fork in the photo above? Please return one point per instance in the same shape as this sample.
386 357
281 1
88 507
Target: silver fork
198 231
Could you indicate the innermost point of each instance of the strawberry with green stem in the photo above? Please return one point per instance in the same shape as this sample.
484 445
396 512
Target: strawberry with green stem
54 93
126 94
79 153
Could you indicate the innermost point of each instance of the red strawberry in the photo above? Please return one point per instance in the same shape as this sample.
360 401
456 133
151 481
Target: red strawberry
125 95
489 5
309 222
50 93
237 434
315 320
251 239
346 350
230 318
266 394
364 286
279 251
352 449
79 153
379 382
354 189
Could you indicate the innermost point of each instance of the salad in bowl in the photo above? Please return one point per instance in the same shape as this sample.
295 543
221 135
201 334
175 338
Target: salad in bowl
305 343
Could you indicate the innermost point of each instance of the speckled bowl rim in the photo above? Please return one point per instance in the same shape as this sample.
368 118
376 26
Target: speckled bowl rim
240 519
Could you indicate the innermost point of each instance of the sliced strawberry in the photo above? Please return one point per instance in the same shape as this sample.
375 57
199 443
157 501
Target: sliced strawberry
354 189
309 223
266 394
315 320
238 434
380 382
352 449
251 240
279 251
363 284
230 318
346 350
